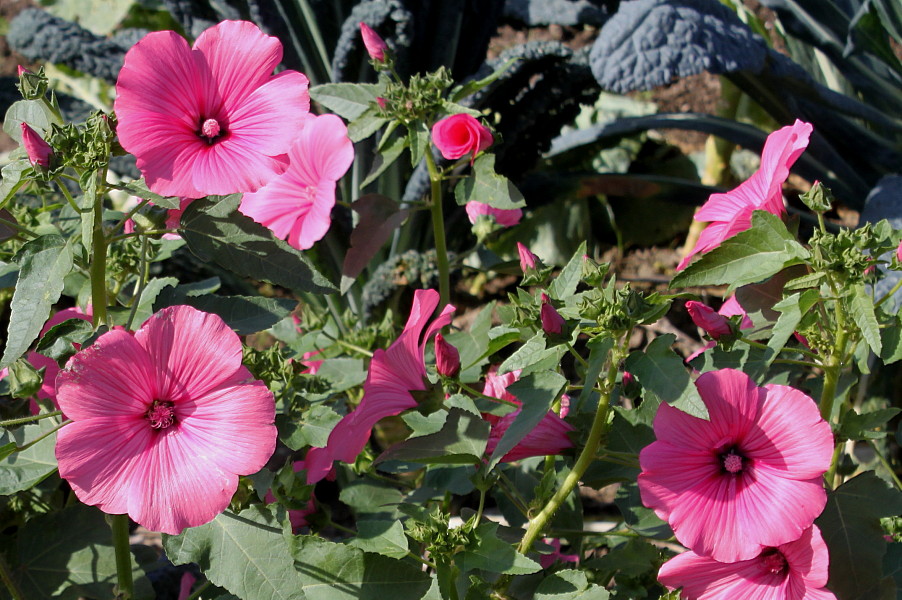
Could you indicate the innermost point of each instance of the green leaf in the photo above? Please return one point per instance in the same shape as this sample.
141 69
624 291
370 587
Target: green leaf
68 554
635 558
533 357
25 469
536 392
43 263
599 347
660 370
494 555
418 140
386 157
349 100
14 176
216 231
370 498
864 426
381 537
747 257
851 528
792 309
245 553
569 584
861 307
475 345
640 519
891 341
245 314
87 212
462 440
366 124
33 112
139 188
462 91
564 285
311 430
488 187
148 296
330 571
342 373
58 342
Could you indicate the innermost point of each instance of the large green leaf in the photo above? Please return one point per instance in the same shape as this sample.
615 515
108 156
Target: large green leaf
747 257
494 555
564 285
330 571
660 370
488 187
570 584
33 112
43 263
533 357
244 553
215 231
861 307
244 314
69 554
26 468
461 440
851 528
349 100
381 537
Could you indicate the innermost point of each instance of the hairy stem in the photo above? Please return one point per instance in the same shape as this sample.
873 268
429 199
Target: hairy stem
438 230
31 419
98 257
119 525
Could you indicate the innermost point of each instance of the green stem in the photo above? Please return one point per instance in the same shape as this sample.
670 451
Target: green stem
801 351
573 351
889 294
142 282
43 436
69 197
885 463
349 345
470 390
31 419
438 230
98 257
830 476
119 525
6 576
199 591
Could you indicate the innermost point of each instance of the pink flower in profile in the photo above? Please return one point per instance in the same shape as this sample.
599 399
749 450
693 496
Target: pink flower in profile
796 570
39 151
297 204
547 560
730 213
375 45
209 119
394 374
705 317
506 217
163 420
717 482
547 438
459 135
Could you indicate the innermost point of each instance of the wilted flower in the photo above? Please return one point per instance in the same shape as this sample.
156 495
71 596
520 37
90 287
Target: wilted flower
163 420
375 45
717 482
459 135
209 119
297 205
39 151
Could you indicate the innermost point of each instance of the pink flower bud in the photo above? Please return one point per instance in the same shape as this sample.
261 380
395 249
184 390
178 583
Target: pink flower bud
527 258
381 102
552 322
708 319
38 150
459 135
627 379
447 358
375 45
899 251
20 69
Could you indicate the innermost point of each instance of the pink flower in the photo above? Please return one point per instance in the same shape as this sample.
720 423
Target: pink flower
899 252
548 438
730 213
297 204
164 420
713 323
185 585
506 217
211 119
447 358
717 482
459 135
375 45
39 151
297 518
394 374
20 70
732 308
796 570
552 322
547 560
528 260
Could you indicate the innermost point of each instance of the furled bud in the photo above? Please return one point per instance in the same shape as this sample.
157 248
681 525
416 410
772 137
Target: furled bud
819 198
38 150
899 251
375 45
32 86
552 322
447 358
527 258
593 273
381 102
714 324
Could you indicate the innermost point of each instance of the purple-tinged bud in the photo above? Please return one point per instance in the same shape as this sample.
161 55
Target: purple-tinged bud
447 358
714 324
381 102
527 259
375 45
899 252
38 150
552 322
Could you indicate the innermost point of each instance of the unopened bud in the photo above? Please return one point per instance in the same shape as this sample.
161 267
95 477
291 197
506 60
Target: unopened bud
381 102
39 151
447 358
552 322
713 323
899 251
819 198
527 258
593 272
375 45
32 86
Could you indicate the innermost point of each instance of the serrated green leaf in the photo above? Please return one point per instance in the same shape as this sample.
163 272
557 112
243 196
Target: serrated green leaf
534 357
494 555
366 124
381 537
349 100
58 342
660 370
891 341
640 519
244 553
792 309
330 571
861 308
14 176
864 426
564 285
805 281
599 348
536 392
747 257
418 141
370 498
215 231
461 440
488 187
244 314
33 112
24 469
385 158
139 188
570 584
312 429
149 295
43 263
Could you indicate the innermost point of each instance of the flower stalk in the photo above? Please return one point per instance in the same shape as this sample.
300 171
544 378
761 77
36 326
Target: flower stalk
438 228
119 526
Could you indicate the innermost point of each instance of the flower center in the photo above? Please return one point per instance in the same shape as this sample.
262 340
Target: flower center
773 561
732 462
161 414
210 129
